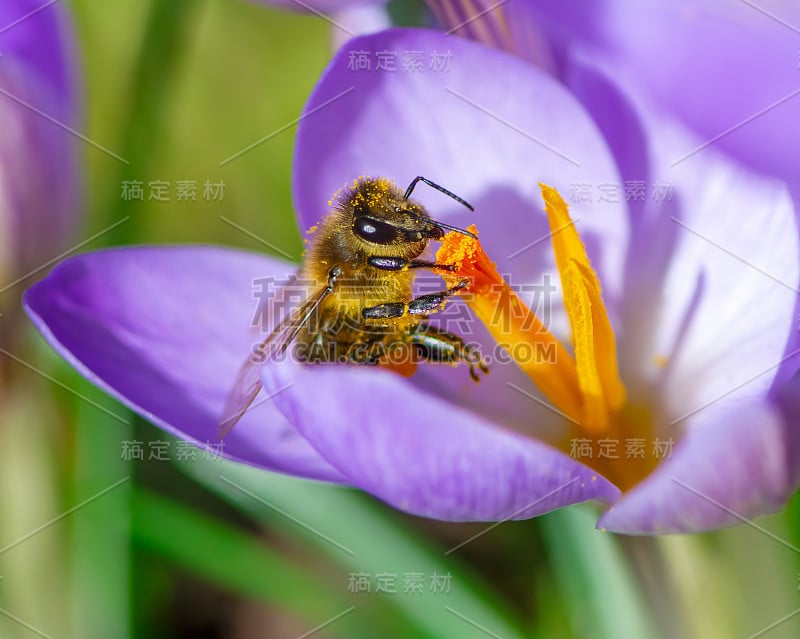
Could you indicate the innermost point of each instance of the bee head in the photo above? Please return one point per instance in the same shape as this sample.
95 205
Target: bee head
380 216
383 216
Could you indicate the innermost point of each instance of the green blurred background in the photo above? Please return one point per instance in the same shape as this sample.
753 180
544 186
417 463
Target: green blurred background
94 544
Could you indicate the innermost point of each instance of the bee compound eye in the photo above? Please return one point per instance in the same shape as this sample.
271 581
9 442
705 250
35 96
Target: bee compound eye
375 231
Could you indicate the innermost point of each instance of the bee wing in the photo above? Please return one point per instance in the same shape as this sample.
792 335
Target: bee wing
248 381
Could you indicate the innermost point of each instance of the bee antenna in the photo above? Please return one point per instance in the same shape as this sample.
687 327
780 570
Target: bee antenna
419 178
442 225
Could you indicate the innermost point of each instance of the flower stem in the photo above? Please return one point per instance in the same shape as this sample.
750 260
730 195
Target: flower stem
646 557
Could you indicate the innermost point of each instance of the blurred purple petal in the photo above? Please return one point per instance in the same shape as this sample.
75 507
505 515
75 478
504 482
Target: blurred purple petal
38 37
39 189
729 70
164 330
357 20
425 455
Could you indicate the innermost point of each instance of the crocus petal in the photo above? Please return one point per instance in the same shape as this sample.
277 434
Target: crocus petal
423 454
39 189
747 263
718 248
727 69
165 330
731 466
40 39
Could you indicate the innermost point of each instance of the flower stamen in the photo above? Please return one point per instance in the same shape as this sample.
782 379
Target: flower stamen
586 388
593 337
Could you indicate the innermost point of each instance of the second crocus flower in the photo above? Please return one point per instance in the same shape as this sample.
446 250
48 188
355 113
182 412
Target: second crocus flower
38 165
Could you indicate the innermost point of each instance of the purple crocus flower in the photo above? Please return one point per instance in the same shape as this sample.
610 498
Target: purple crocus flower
38 182
699 284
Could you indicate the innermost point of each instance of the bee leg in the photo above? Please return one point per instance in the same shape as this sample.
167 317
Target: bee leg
384 311
437 345
417 306
392 263
431 265
426 303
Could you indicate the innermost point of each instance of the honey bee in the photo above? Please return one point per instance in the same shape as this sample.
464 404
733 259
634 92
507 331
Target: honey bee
362 261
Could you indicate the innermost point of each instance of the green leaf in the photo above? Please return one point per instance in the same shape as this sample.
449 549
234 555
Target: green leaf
369 543
244 564
98 502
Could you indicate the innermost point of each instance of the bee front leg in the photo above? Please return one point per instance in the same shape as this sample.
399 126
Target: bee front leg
391 263
417 306
438 345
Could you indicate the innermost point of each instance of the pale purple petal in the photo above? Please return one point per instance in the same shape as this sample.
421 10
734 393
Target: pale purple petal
165 330
728 307
714 261
425 455
732 465
727 299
